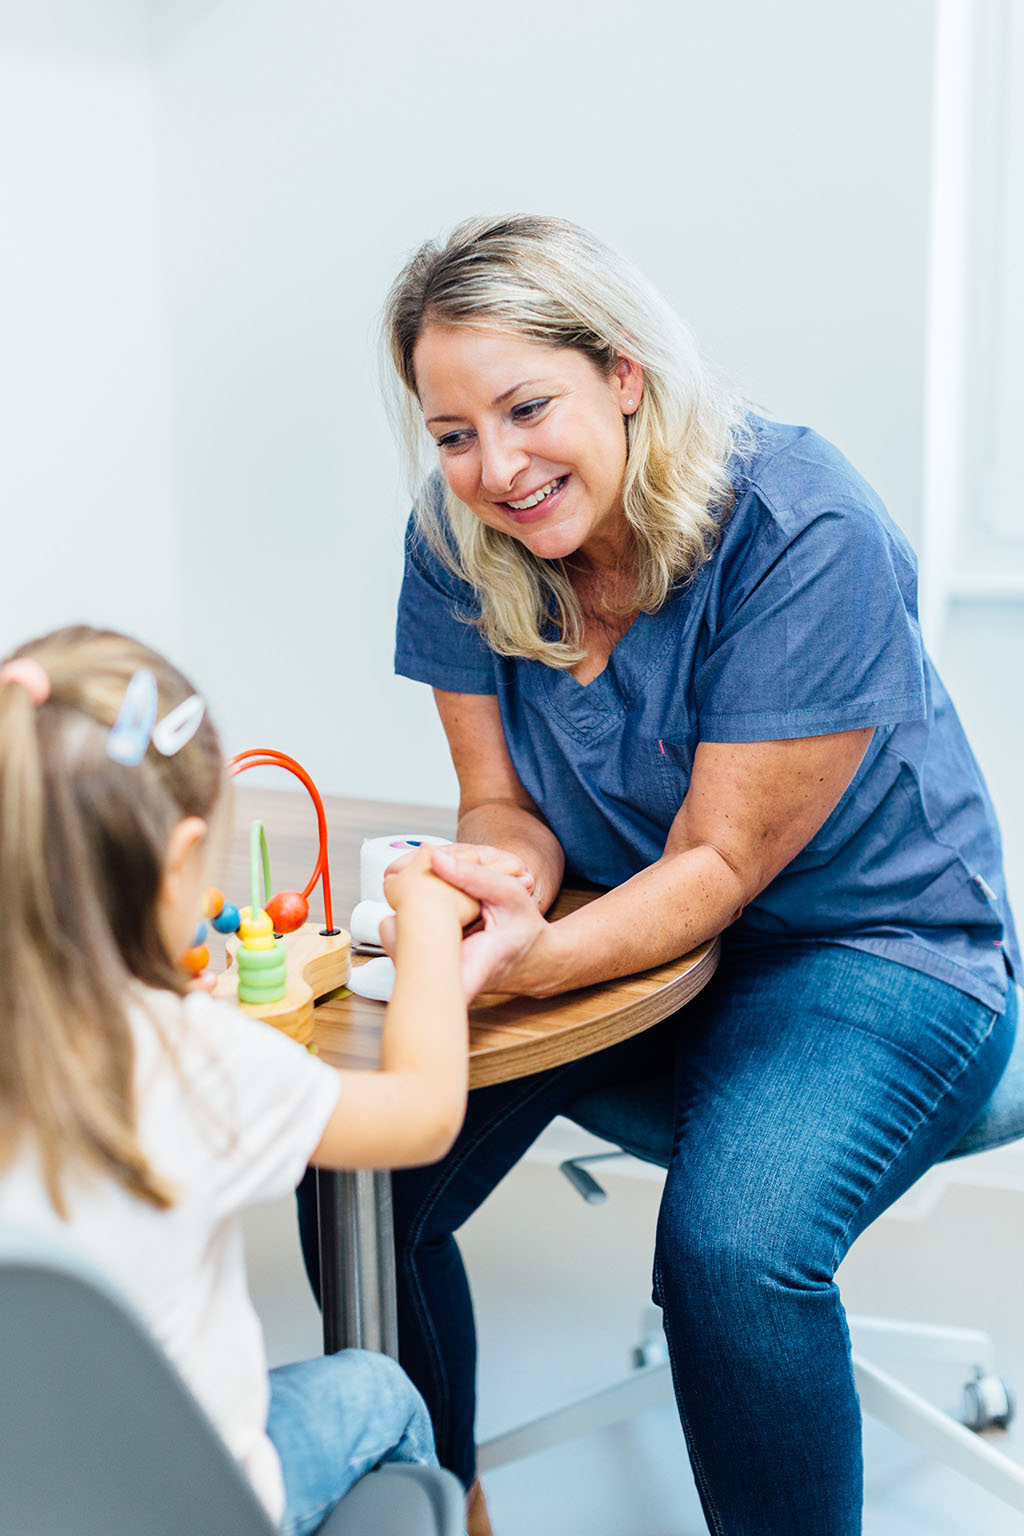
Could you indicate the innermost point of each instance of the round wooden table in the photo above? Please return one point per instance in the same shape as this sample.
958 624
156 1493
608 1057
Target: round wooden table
510 1037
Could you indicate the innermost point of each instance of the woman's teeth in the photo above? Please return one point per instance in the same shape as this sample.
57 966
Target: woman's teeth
537 497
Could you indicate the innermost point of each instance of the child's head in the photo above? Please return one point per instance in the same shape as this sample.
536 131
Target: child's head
85 880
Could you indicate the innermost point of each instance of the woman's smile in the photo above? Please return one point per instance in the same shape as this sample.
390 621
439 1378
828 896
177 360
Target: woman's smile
538 503
531 438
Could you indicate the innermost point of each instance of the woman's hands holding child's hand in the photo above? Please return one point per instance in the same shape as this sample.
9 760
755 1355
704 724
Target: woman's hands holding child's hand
510 923
411 879
492 891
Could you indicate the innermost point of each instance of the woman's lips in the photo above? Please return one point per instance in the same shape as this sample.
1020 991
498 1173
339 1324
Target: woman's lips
523 515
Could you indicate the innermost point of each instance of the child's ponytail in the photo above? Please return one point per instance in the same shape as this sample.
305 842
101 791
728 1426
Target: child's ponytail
82 842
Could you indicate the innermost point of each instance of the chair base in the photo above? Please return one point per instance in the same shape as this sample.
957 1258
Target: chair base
938 1434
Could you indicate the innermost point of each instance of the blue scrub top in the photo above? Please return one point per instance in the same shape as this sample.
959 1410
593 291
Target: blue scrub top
803 622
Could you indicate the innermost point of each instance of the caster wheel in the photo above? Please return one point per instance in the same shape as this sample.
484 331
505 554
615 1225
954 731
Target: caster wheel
653 1346
988 1403
650 1352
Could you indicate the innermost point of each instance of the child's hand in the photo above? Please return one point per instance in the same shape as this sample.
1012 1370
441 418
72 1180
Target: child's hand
493 954
498 859
412 879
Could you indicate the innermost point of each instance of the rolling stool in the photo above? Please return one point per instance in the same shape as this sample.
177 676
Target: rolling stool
638 1120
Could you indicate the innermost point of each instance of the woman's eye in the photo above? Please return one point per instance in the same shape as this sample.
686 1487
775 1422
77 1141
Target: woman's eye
529 409
453 440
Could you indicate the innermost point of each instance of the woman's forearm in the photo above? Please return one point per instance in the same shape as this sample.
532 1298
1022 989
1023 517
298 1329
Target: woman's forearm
503 824
661 913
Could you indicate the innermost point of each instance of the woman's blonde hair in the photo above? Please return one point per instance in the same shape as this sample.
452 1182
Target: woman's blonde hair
82 847
553 283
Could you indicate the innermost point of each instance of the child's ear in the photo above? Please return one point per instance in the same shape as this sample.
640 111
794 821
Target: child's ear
187 837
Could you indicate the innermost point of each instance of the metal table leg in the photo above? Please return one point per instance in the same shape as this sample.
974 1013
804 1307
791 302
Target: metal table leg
357 1261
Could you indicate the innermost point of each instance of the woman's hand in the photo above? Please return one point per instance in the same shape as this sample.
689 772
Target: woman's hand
511 929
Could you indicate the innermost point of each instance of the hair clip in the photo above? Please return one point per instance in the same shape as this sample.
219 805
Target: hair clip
136 724
178 727
131 731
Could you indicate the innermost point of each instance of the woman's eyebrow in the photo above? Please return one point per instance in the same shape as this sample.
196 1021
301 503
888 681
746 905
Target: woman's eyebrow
498 400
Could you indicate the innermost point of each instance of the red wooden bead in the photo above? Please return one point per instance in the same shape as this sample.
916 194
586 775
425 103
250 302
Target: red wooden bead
287 911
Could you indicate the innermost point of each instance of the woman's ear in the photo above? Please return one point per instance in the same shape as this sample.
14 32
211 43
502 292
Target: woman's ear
630 381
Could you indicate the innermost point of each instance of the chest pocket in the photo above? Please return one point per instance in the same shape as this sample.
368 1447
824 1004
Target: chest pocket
675 765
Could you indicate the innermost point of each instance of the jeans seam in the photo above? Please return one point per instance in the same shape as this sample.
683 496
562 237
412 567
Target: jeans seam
700 1476
421 1309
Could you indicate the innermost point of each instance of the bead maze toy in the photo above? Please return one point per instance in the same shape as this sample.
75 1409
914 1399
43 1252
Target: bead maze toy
279 965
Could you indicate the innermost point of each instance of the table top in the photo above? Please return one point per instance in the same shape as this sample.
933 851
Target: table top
509 1036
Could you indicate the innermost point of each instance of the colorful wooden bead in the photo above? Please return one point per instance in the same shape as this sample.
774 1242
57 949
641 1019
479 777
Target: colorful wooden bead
288 910
199 936
196 959
227 919
213 903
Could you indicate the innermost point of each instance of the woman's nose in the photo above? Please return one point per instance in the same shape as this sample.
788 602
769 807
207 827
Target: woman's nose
501 460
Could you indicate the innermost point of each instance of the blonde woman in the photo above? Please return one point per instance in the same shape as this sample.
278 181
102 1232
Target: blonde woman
675 651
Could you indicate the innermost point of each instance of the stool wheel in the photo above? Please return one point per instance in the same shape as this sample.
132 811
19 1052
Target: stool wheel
653 1346
988 1403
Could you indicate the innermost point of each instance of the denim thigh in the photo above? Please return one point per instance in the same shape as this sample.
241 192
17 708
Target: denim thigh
814 1085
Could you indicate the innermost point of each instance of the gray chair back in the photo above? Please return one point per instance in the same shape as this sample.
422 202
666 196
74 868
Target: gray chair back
99 1436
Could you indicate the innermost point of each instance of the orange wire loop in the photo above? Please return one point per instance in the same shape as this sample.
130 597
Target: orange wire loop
268 757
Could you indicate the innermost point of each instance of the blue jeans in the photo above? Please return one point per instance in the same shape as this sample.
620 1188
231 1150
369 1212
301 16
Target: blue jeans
334 1418
814 1085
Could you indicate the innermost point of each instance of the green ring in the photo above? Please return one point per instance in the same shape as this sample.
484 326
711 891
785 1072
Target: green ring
262 959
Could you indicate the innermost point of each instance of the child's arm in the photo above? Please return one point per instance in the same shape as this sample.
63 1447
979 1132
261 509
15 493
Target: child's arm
411 1111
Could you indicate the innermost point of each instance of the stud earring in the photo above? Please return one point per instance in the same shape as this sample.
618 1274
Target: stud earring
630 403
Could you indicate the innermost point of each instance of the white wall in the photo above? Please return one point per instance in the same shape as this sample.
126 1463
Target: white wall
85 484
768 165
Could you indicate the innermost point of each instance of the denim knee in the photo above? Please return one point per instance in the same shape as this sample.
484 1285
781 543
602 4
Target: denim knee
729 1258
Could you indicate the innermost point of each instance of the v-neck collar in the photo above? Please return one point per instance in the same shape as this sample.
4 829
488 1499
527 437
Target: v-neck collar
587 710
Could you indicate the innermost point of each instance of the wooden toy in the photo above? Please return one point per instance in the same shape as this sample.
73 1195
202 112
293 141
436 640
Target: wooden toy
279 964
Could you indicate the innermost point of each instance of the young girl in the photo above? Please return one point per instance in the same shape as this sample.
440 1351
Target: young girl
139 1118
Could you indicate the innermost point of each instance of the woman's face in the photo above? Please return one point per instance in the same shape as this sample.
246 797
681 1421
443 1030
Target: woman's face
531 438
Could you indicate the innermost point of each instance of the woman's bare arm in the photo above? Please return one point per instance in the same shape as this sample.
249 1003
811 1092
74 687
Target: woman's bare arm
750 808
494 808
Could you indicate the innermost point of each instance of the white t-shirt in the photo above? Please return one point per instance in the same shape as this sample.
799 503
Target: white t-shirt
230 1115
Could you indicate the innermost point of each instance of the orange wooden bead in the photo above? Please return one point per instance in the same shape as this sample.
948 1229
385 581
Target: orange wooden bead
196 959
214 901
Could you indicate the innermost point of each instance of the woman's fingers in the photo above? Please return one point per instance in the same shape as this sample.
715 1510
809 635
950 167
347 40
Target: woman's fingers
510 926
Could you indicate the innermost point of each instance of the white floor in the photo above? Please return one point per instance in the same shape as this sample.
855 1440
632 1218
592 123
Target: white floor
561 1286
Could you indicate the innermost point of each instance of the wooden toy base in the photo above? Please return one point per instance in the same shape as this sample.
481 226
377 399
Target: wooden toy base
317 964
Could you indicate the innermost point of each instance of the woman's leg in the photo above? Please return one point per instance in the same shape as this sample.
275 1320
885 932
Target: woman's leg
334 1419
436 1331
814 1085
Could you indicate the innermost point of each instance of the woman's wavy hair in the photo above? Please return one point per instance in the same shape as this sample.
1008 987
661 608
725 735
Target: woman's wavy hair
553 283
82 846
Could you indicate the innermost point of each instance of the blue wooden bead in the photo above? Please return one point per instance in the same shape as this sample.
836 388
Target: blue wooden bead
227 919
200 933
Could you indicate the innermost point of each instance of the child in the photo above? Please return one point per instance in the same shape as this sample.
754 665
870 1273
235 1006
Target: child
138 1117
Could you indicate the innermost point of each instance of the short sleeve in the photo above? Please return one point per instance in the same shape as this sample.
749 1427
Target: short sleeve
267 1099
436 640
817 629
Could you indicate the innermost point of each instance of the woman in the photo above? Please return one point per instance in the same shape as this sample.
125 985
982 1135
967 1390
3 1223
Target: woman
675 652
